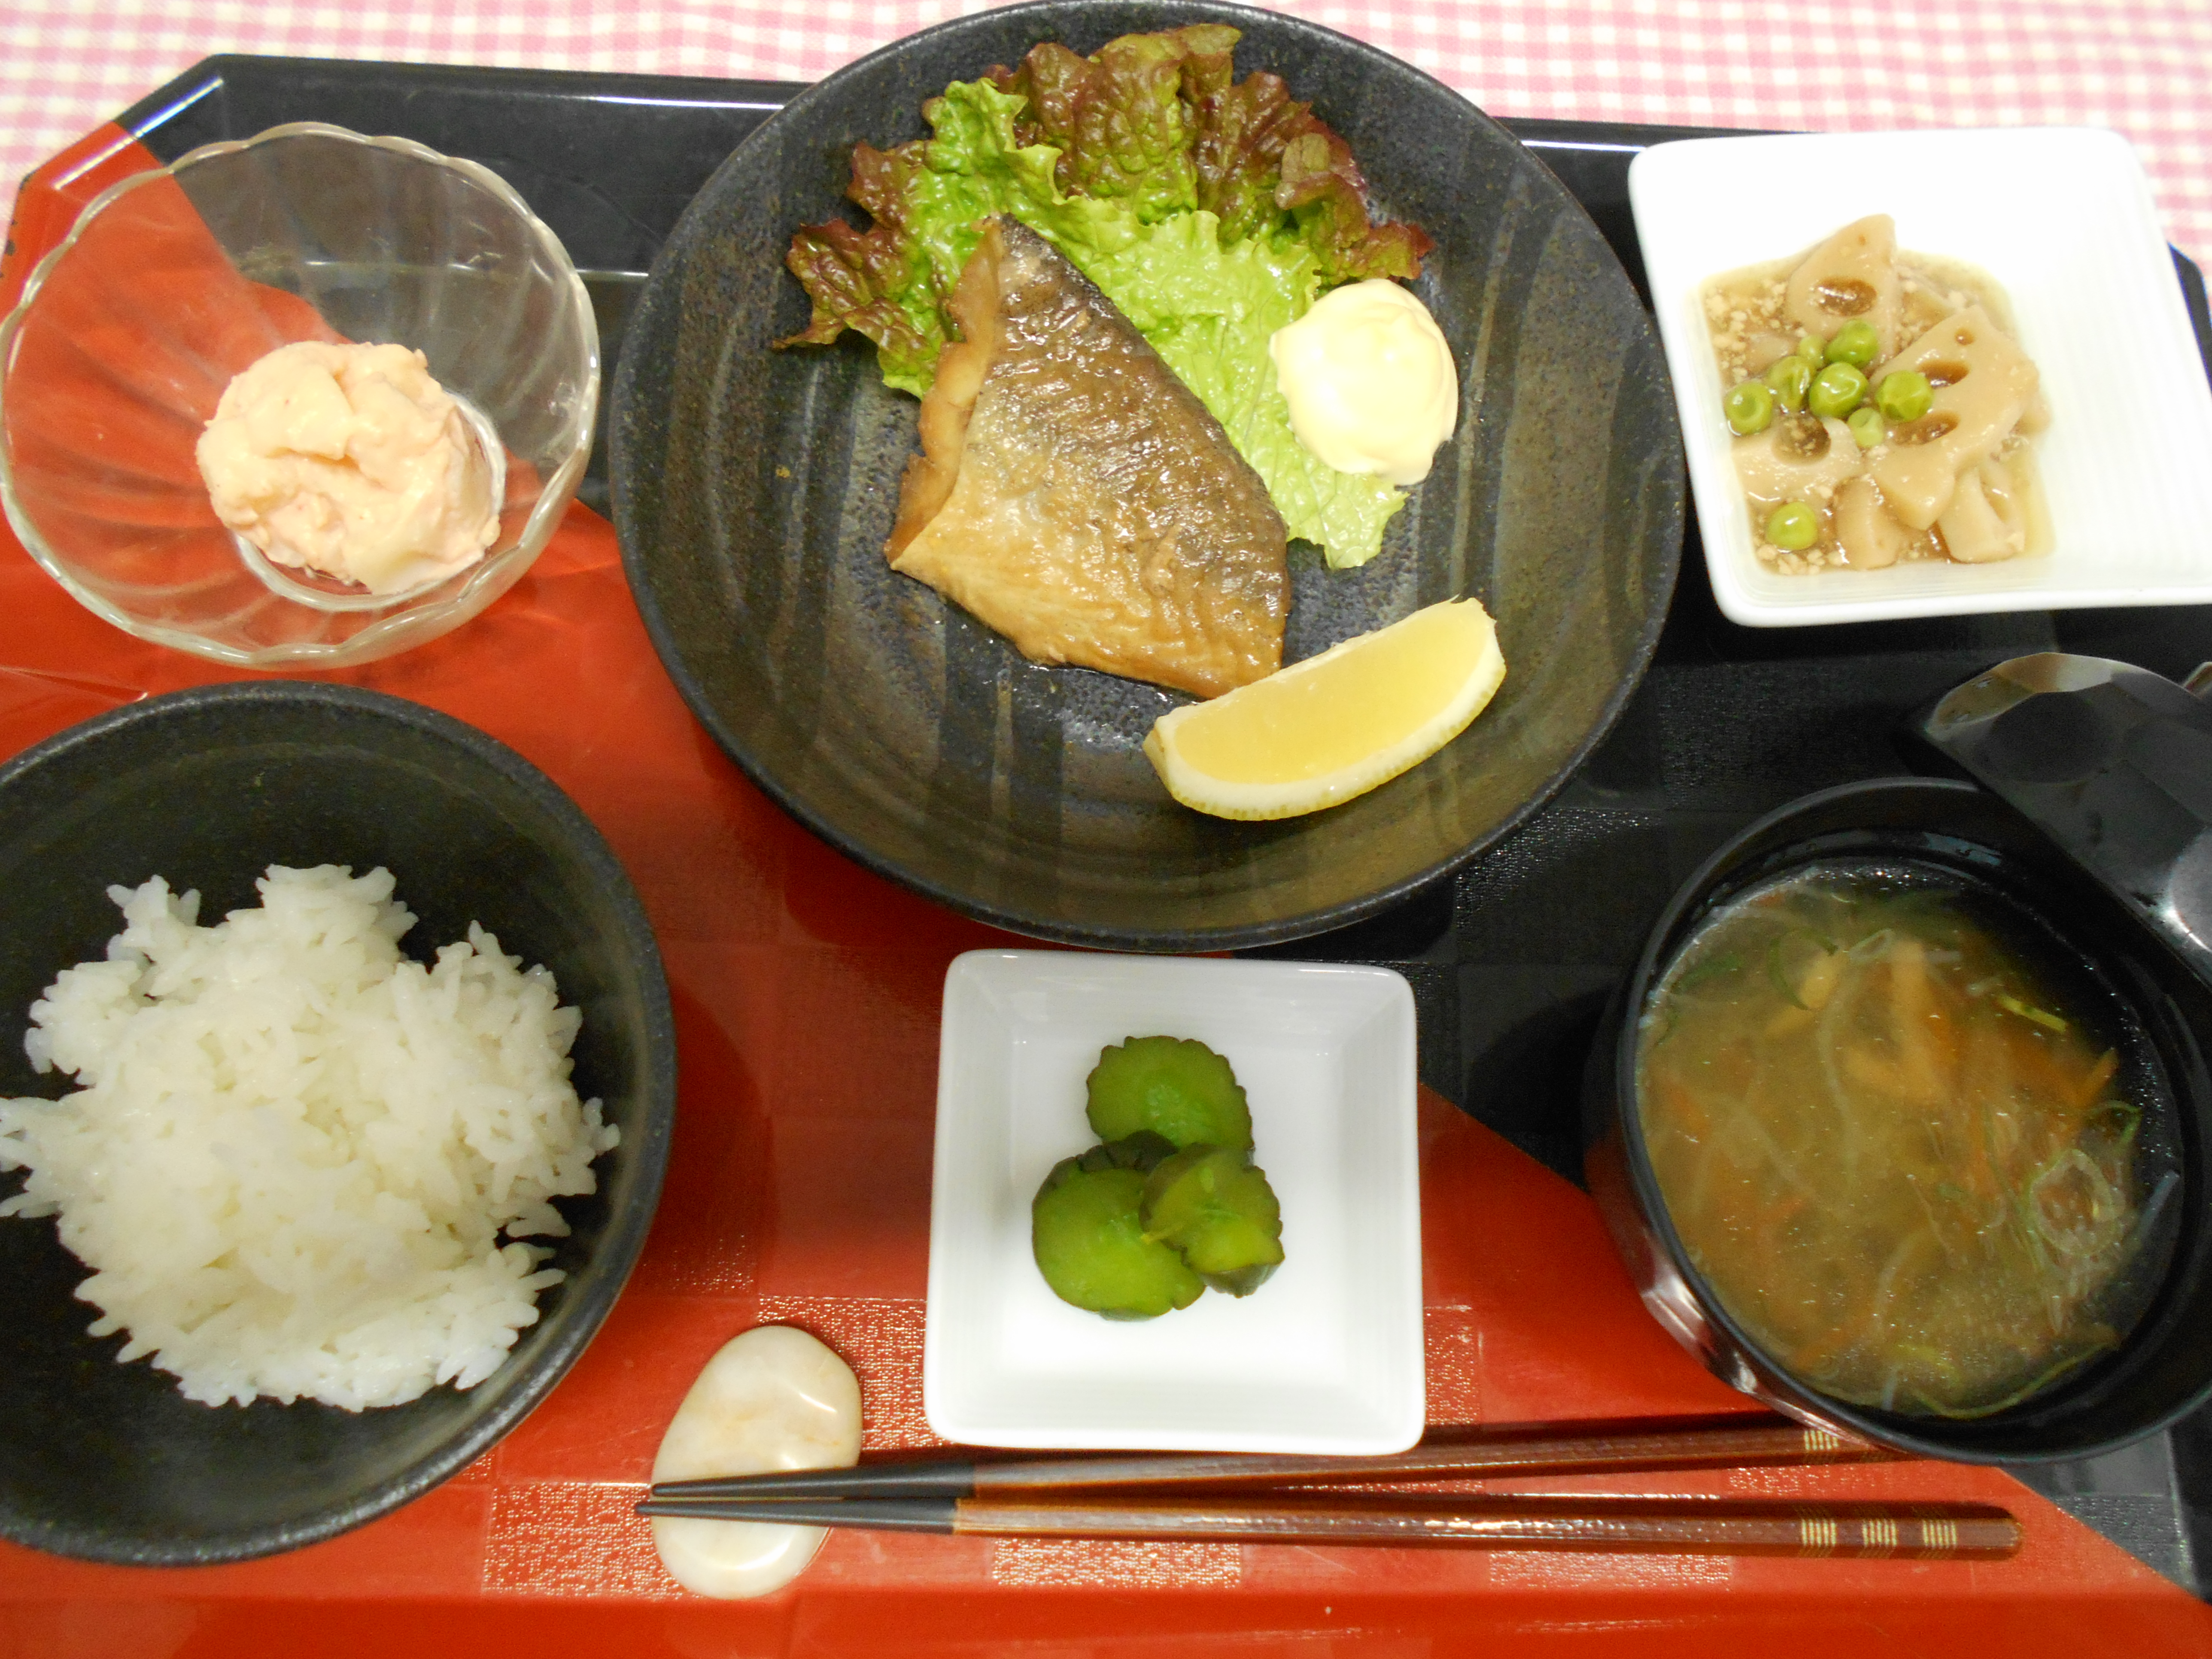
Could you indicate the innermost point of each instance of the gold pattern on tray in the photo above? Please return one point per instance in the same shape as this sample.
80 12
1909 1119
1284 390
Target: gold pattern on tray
572 1538
1562 1572
1103 1563
1452 1345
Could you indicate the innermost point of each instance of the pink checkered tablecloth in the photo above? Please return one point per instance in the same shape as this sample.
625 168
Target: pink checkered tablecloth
2142 66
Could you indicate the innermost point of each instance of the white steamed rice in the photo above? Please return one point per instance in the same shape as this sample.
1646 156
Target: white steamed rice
294 1152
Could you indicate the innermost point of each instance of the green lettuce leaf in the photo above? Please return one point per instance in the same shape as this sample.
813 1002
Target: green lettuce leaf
1211 211
1209 311
1267 164
929 199
1125 119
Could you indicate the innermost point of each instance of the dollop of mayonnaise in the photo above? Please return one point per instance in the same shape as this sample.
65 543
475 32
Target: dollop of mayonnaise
353 461
773 1399
1369 380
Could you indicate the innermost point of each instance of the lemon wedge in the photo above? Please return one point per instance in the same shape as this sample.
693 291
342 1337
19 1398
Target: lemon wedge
1336 725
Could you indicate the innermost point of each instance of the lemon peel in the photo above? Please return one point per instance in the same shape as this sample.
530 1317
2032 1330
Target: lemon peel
1322 730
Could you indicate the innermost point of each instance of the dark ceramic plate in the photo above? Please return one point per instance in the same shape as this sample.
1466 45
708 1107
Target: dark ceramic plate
208 787
753 490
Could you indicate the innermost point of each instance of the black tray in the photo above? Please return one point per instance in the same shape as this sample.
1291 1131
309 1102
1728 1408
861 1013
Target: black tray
1511 959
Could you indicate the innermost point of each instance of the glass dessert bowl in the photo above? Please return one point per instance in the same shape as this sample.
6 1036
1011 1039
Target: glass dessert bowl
175 280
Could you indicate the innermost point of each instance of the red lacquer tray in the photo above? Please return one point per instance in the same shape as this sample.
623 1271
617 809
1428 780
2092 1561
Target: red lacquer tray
806 993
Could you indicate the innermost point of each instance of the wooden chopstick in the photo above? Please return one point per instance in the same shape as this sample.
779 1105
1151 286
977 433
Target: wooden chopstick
1743 1440
1704 1527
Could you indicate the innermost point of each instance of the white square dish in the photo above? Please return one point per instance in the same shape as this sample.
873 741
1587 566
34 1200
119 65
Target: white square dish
2063 218
1325 1356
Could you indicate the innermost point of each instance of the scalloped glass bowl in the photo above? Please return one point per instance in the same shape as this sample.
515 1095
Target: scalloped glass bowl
174 280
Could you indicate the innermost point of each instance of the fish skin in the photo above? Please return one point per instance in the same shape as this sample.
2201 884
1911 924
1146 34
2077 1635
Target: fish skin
1074 494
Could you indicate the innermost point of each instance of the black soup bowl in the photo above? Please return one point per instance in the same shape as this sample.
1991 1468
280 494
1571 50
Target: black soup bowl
2161 1367
753 490
208 787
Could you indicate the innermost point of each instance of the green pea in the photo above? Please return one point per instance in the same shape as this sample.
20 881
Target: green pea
1836 390
1749 406
1793 527
1810 349
1787 380
1867 426
1855 344
1904 395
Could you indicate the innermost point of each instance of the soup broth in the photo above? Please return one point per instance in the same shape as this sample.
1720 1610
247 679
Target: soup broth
1919 1150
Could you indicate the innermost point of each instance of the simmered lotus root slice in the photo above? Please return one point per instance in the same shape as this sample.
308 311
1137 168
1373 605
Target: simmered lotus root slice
1986 520
1793 458
1087 1231
1850 278
1215 1206
1173 1086
1984 384
1871 537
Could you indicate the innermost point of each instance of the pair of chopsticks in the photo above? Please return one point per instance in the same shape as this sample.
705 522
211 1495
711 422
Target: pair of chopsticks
1211 1497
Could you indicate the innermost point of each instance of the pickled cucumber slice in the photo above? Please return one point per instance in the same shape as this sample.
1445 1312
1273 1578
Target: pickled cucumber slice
1143 1151
1213 1204
1089 1239
1172 1087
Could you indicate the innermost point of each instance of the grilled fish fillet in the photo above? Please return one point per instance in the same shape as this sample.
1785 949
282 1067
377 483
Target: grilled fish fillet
1072 493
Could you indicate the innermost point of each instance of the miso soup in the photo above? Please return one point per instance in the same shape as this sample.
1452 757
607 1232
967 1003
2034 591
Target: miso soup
1920 1151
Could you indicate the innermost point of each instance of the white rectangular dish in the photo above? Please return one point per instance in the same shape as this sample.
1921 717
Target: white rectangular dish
2063 218
1325 1356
